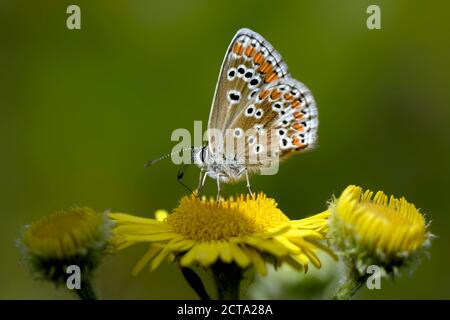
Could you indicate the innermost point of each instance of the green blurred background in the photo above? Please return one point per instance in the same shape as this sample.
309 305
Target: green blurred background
81 111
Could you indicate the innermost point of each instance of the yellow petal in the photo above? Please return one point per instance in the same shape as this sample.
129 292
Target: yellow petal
257 260
268 246
239 255
150 238
292 248
188 258
151 252
225 251
207 253
123 218
159 258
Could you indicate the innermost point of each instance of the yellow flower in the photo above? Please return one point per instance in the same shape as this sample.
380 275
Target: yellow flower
247 231
76 237
64 234
376 229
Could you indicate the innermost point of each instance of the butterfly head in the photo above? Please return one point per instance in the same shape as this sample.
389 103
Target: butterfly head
199 156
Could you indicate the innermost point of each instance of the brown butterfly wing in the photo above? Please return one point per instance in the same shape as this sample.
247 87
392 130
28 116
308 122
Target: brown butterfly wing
258 106
249 64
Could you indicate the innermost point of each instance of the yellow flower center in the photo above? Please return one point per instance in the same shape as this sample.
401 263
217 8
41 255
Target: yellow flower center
388 225
63 234
205 220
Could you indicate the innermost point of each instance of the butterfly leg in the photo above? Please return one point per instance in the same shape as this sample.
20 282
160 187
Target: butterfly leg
200 183
248 183
218 188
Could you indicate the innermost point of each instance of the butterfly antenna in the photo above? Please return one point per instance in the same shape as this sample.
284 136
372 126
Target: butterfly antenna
152 162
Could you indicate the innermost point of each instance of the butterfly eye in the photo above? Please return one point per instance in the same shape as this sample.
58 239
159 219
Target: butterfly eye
231 74
203 155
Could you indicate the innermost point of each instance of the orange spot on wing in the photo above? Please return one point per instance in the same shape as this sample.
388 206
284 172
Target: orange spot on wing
263 94
296 104
275 94
238 48
250 51
258 58
296 141
298 115
297 126
271 77
265 67
288 97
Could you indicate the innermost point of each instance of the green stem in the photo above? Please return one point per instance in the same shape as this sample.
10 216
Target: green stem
227 277
350 284
86 292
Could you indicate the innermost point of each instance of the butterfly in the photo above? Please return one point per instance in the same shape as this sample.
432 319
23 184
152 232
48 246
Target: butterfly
259 114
